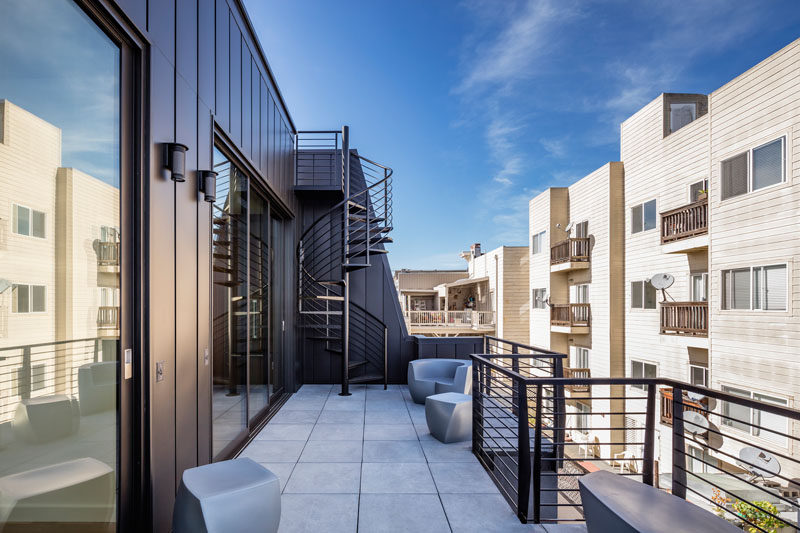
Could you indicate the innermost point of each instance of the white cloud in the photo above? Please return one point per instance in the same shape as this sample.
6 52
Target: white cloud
555 147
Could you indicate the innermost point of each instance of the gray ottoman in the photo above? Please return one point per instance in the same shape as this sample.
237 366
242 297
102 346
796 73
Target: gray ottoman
238 495
46 418
449 416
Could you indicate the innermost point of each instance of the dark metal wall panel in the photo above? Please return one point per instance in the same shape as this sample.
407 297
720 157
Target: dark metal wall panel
247 103
186 284
263 127
161 281
235 41
136 11
222 100
206 34
161 26
255 110
204 162
186 41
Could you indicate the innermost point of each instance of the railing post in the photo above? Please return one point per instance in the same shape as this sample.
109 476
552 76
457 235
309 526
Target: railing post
345 250
537 458
385 358
515 367
25 374
560 405
678 445
524 444
648 463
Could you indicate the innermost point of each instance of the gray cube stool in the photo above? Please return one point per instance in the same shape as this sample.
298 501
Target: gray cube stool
435 376
237 495
449 416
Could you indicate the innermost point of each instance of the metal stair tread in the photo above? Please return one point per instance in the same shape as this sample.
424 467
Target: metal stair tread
323 338
357 364
366 378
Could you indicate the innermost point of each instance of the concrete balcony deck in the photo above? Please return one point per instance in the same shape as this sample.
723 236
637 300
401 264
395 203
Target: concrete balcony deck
368 463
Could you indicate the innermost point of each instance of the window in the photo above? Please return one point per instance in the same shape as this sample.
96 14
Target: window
582 229
582 413
643 217
27 298
643 295
538 299
752 170
700 461
700 287
537 242
681 114
755 421
580 357
695 189
28 221
642 370
698 375
580 294
760 288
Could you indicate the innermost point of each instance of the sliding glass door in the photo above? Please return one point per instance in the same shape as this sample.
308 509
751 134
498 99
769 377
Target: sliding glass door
61 274
248 302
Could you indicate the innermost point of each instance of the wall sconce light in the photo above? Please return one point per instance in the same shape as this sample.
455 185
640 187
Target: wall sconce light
208 185
175 157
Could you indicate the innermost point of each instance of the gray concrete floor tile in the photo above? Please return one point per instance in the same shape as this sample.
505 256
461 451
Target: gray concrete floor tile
456 452
400 478
295 417
341 417
324 478
458 478
386 513
344 405
387 417
393 451
285 432
317 513
282 470
483 513
338 432
271 451
390 432
332 451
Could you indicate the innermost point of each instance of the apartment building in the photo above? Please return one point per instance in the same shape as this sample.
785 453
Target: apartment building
709 198
576 272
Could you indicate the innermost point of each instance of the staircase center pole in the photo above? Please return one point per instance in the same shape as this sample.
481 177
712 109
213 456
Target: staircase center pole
346 272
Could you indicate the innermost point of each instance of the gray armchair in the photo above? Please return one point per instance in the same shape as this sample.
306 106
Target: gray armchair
436 376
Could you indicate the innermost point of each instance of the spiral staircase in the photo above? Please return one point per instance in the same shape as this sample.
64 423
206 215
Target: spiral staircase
346 238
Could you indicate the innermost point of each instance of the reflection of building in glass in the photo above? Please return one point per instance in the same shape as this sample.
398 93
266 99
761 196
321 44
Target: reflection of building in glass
59 266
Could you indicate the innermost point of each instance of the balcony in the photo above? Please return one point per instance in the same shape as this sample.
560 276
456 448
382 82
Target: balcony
449 321
570 318
685 323
318 161
108 318
688 405
107 256
570 254
578 373
686 228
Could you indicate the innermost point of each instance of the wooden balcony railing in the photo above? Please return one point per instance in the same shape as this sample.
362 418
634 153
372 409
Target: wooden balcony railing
574 249
108 253
570 315
449 318
108 317
684 318
578 373
688 405
684 222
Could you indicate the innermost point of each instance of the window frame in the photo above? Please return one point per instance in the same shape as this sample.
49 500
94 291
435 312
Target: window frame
750 166
644 216
704 277
537 242
643 307
31 211
705 374
644 363
543 298
30 287
752 431
576 350
704 181
761 288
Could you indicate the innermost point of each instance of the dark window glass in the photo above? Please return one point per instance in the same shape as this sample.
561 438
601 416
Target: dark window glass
649 295
768 164
681 114
636 294
636 219
734 176
37 224
649 215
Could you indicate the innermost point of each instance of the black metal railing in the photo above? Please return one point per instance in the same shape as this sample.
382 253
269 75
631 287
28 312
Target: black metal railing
717 453
318 159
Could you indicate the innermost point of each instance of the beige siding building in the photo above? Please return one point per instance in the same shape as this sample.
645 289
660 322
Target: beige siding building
707 290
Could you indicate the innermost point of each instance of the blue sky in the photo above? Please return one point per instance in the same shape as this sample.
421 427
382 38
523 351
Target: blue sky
479 105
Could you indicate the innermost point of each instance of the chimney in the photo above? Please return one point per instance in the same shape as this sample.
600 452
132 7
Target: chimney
475 249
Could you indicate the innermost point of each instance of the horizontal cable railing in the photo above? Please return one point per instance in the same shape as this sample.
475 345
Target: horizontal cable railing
684 318
684 222
35 370
318 156
573 249
449 318
729 454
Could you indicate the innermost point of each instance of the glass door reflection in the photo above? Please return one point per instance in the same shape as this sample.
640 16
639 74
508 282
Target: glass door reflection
260 295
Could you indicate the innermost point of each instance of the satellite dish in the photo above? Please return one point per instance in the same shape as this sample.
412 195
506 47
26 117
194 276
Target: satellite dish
758 462
694 423
4 284
695 396
662 281
569 227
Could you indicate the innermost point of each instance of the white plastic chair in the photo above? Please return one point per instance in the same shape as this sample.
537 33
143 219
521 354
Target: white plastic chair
625 459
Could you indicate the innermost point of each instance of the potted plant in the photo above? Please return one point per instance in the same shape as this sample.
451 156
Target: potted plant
702 194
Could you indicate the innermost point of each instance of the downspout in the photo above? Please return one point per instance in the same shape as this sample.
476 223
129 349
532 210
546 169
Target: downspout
496 296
